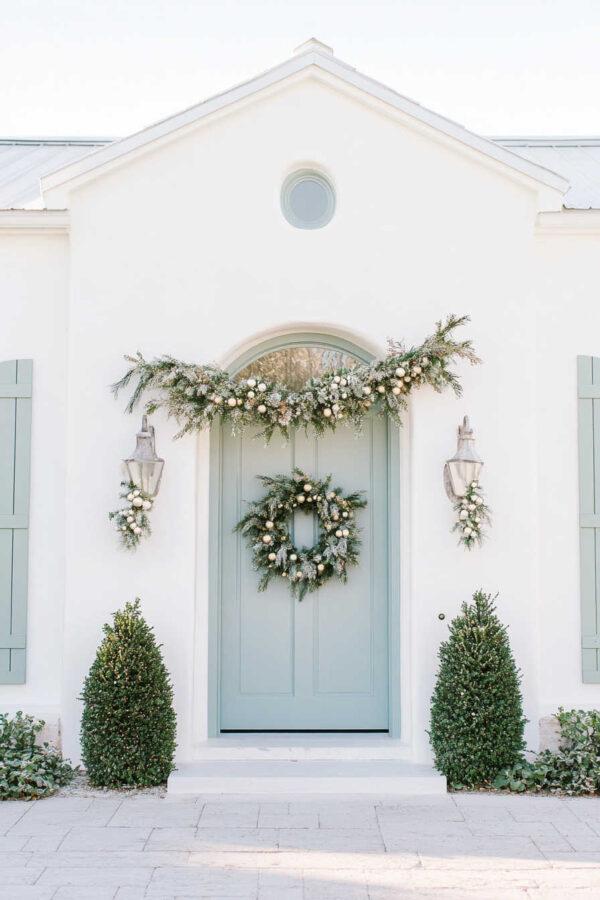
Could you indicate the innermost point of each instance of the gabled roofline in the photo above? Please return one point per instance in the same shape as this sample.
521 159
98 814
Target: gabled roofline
316 55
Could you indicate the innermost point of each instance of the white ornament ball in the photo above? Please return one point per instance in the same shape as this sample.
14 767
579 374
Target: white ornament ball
474 484
262 386
339 533
284 574
272 556
400 372
130 497
335 517
293 557
232 402
467 532
396 391
266 539
327 412
343 382
269 524
345 532
130 519
217 399
320 567
336 407
251 382
240 401
344 395
137 501
345 515
133 526
479 501
424 361
136 493
250 395
337 379
417 370
407 378
381 389
331 495
366 390
262 408
137 530
308 488
146 504
300 498
464 514
123 527
471 506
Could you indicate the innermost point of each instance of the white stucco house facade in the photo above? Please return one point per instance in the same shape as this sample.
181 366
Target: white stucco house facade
174 240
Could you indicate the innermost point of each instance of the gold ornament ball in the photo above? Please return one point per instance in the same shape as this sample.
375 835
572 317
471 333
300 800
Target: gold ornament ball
396 391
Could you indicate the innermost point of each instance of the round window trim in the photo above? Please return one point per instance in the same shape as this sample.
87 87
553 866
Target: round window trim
307 199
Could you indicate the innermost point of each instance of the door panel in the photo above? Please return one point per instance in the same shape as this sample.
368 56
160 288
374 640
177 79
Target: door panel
319 664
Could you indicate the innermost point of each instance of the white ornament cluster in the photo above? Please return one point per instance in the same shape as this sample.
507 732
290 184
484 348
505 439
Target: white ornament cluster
472 515
132 521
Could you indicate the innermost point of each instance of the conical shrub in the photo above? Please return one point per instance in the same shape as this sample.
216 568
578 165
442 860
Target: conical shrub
128 723
476 713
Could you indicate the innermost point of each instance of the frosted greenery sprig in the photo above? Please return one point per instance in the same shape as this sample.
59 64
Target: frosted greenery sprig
472 515
267 525
197 395
132 521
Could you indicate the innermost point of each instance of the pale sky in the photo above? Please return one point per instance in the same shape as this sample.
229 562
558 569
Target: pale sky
110 67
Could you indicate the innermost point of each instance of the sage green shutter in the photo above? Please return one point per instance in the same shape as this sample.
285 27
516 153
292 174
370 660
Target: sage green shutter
588 383
15 455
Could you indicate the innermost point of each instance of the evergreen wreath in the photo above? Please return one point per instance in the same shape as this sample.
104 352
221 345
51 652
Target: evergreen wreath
197 395
132 521
267 527
472 515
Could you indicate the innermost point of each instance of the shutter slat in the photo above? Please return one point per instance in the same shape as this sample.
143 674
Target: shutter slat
588 384
16 381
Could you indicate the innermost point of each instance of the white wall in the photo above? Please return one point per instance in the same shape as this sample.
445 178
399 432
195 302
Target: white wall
185 251
33 295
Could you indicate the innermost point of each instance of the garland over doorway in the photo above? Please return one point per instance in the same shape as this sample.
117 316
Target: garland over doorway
197 395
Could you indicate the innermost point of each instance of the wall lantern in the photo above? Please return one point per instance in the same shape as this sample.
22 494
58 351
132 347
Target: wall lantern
144 467
465 466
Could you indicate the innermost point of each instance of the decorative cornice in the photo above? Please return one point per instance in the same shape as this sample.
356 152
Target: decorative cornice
34 221
569 221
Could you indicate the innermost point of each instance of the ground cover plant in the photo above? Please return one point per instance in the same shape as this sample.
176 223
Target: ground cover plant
572 769
29 769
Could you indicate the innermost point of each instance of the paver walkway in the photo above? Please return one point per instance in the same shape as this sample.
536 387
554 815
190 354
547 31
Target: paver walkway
116 847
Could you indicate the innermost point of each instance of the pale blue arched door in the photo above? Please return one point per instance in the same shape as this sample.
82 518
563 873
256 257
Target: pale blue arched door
321 664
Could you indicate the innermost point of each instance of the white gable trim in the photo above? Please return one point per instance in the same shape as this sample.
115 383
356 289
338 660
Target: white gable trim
34 221
89 167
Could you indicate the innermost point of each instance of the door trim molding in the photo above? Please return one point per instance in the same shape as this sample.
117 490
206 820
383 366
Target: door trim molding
281 342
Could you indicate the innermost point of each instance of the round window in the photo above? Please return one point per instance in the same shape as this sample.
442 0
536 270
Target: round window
307 200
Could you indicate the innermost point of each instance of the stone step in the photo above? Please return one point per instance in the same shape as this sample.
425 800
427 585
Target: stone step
299 777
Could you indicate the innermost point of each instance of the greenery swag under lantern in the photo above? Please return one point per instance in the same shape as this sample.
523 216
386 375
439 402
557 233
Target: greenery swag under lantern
197 395
267 526
472 515
128 723
132 520
476 711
